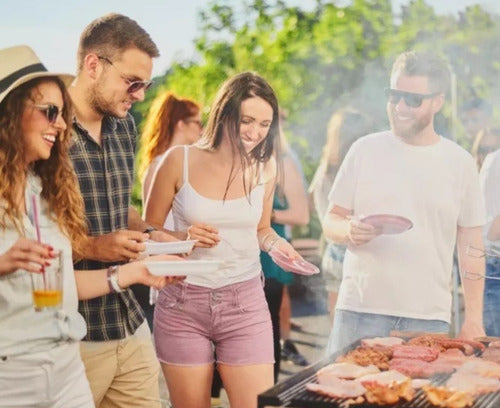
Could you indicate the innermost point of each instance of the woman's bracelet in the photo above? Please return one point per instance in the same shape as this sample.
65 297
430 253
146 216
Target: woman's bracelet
112 277
270 242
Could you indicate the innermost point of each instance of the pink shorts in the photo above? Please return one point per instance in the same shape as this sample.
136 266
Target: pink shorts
190 322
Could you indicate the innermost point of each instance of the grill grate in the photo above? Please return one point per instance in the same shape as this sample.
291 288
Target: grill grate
292 392
310 400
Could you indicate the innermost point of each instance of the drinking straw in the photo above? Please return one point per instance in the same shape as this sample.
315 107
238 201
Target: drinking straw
34 205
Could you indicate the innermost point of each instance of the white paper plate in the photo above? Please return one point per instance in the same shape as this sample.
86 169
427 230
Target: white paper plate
175 247
183 268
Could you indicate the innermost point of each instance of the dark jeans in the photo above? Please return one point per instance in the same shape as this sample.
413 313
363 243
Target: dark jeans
491 310
274 295
141 293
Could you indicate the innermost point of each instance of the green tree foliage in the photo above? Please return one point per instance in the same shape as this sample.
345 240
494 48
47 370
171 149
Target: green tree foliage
328 56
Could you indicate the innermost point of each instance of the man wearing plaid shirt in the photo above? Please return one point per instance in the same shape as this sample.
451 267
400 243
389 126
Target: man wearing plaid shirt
114 70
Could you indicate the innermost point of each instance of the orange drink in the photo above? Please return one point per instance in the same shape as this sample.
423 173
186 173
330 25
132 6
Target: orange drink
47 285
46 298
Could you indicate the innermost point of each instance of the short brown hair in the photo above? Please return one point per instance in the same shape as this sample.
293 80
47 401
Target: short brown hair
114 33
427 64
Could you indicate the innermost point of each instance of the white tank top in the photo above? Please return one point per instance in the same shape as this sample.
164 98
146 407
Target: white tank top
237 222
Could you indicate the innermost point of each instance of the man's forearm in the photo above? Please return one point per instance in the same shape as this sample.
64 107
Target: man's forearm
88 251
336 228
473 288
135 222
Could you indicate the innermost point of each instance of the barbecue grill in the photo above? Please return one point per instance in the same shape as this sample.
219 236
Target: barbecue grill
292 392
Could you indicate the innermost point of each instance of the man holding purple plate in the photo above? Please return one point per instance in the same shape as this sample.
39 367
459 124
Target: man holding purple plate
401 201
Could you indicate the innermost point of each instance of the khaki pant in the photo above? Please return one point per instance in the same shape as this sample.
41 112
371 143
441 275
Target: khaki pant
123 373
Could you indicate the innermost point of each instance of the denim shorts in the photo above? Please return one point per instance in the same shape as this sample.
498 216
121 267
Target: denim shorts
491 310
350 326
191 322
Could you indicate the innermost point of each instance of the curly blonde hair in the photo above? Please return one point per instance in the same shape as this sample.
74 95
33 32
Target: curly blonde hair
59 183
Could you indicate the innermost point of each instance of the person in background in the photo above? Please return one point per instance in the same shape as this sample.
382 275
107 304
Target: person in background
490 184
220 190
115 60
290 207
40 364
344 128
475 114
413 172
171 121
487 141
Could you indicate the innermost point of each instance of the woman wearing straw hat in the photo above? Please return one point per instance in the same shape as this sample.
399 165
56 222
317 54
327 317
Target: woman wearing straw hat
40 363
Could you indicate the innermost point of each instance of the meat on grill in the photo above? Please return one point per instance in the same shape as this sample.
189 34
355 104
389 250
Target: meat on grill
338 388
366 356
345 371
494 344
471 383
446 362
492 353
444 343
481 367
384 378
382 341
424 353
446 398
388 394
418 368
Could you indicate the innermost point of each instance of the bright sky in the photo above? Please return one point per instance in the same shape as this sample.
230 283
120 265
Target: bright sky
52 27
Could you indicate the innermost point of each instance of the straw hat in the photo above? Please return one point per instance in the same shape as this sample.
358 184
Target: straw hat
20 64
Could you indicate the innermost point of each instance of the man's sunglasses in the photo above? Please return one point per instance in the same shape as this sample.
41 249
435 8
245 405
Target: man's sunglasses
51 111
133 86
412 100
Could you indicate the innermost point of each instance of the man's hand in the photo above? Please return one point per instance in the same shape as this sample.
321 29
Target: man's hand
471 329
116 246
359 232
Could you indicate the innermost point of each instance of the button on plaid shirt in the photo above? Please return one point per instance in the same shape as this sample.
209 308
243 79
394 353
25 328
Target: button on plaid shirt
106 174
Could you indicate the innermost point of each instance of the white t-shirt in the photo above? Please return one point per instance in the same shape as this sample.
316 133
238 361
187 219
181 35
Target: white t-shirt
490 185
436 187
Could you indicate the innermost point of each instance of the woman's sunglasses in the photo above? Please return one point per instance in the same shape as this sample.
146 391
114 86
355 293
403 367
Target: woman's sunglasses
51 111
412 100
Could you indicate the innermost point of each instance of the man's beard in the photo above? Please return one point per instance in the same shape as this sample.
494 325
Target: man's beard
99 103
409 132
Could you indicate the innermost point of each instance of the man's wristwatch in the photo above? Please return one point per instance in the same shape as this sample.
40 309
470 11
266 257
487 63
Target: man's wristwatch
149 230
112 275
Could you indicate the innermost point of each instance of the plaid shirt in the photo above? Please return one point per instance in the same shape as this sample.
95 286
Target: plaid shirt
106 174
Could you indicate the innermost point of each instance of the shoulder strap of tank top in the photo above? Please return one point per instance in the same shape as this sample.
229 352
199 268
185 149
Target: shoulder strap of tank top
185 173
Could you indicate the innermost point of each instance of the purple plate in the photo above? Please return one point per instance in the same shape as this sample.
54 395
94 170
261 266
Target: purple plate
388 223
299 266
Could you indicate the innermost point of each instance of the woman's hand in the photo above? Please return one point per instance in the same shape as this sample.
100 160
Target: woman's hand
137 272
206 235
26 254
283 246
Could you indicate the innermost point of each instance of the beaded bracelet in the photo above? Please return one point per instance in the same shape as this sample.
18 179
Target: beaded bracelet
276 239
